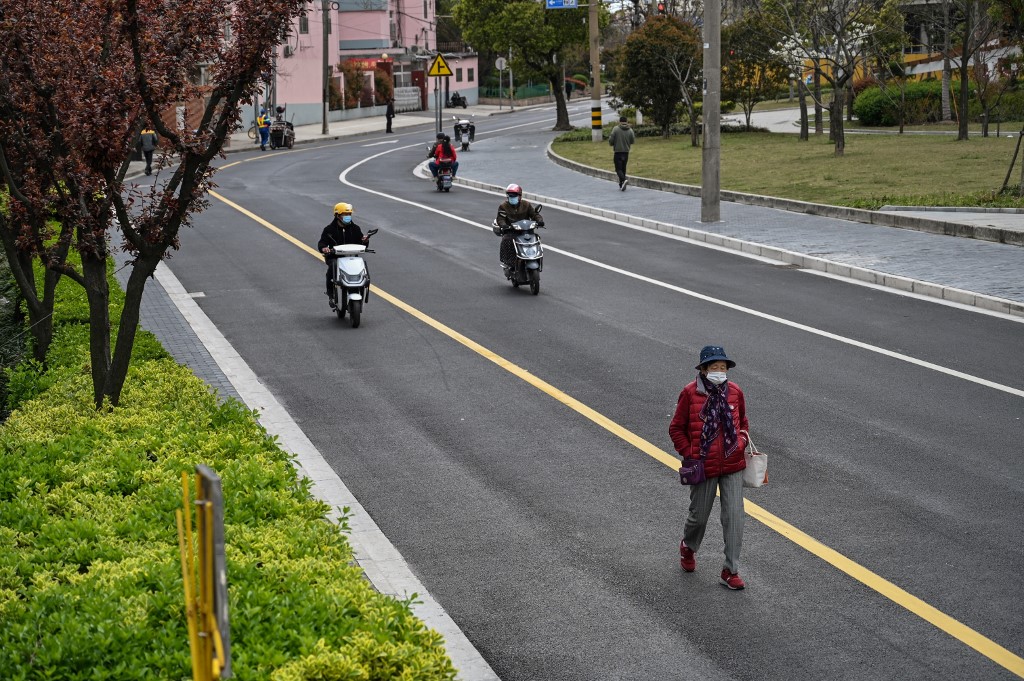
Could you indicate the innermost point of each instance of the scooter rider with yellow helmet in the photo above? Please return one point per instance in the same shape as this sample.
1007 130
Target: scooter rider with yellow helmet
342 230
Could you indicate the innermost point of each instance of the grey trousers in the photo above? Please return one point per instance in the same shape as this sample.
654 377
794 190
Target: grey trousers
702 498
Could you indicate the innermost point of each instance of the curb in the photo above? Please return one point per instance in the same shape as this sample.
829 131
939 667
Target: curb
924 288
995 234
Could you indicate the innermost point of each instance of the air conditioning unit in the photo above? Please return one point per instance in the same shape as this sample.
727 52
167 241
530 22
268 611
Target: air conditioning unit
289 50
414 49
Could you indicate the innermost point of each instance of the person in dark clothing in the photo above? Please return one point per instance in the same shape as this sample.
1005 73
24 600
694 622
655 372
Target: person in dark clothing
514 208
342 230
390 113
621 139
148 142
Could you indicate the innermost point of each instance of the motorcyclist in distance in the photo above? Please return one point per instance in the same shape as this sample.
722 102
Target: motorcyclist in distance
342 230
444 152
514 208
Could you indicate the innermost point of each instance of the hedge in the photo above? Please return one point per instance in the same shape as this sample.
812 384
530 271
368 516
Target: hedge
90 575
877 107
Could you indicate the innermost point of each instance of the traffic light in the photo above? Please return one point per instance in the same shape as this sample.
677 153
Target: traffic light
661 8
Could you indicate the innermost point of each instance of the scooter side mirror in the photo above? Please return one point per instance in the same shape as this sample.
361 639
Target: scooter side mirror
538 208
372 232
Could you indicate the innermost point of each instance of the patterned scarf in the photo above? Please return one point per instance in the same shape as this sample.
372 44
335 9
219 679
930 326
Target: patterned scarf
715 413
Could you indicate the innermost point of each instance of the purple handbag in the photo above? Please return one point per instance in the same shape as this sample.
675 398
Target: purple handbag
691 472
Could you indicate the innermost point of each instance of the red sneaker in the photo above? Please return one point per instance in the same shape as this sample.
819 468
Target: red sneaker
686 557
732 580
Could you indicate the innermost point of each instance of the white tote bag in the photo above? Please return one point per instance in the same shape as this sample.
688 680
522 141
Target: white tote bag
756 472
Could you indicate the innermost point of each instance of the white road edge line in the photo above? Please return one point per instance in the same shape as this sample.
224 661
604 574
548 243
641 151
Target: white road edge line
384 566
343 178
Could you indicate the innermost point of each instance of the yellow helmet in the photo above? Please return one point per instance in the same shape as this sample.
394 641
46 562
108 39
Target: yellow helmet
342 208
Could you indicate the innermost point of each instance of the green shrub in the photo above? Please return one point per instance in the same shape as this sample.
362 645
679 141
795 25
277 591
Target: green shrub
90 575
875 106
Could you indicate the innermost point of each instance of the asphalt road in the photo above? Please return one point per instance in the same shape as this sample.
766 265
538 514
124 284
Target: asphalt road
553 542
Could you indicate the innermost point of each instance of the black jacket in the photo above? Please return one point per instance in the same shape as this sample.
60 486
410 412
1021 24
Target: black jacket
524 210
338 233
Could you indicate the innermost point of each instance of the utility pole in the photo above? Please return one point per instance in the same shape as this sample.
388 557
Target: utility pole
326 91
595 71
710 195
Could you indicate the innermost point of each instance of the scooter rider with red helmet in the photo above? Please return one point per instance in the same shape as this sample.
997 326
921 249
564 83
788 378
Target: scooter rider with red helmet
514 208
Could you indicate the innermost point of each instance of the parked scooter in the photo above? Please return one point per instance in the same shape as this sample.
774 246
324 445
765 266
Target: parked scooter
457 100
529 262
465 131
444 176
351 279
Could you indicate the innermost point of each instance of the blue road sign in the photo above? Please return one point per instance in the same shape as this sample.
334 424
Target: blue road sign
562 4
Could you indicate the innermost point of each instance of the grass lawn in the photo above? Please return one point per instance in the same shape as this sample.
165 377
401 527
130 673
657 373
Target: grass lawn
876 170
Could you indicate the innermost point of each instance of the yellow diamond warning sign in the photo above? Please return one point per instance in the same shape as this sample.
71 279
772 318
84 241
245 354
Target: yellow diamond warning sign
439 67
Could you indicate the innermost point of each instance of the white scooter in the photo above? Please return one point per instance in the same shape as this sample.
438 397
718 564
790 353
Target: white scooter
351 280
465 132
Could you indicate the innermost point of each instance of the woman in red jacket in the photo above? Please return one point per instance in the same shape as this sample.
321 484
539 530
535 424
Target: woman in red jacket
709 418
444 152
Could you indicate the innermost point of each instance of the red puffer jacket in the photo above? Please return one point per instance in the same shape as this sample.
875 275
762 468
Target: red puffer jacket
687 424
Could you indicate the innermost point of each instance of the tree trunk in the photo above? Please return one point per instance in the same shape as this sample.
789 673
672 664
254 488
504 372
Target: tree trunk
1009 171
562 111
837 121
94 267
834 112
984 123
804 126
127 327
819 125
40 310
849 104
694 137
965 92
947 68
903 104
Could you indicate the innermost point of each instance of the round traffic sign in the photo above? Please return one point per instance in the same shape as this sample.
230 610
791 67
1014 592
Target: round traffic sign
500 63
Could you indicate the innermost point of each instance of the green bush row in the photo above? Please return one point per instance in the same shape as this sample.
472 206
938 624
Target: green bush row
922 103
90 574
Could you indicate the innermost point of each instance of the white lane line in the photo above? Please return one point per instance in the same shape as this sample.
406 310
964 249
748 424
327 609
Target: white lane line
343 178
375 144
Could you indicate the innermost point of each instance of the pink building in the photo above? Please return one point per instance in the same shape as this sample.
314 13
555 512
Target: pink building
398 35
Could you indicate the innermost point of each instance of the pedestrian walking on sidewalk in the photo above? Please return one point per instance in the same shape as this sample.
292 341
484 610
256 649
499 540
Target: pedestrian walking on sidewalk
621 140
147 144
710 424
390 113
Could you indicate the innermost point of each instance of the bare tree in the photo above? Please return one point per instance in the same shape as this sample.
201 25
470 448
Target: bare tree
965 28
832 34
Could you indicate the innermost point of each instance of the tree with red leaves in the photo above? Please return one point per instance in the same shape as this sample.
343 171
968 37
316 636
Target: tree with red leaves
78 80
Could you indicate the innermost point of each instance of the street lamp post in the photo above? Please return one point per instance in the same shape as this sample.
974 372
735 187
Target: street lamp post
326 88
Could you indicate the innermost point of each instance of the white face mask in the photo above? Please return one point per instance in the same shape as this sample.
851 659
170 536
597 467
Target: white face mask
717 377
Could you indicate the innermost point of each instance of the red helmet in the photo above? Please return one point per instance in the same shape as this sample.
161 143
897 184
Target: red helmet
513 190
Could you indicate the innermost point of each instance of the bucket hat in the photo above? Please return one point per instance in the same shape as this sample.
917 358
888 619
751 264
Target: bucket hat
713 353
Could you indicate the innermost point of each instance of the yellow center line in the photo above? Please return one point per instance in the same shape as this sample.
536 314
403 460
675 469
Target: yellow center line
930 614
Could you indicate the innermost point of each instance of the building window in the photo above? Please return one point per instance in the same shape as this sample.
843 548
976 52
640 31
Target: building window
304 25
425 14
458 75
470 75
